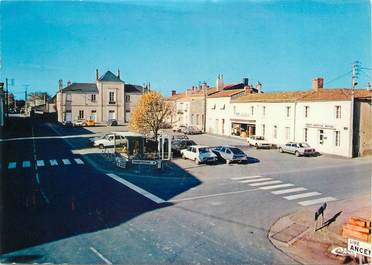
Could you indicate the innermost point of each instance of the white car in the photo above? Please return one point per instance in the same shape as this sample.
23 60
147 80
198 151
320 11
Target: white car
258 142
199 153
107 140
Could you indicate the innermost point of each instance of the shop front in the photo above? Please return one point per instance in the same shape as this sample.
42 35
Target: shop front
243 128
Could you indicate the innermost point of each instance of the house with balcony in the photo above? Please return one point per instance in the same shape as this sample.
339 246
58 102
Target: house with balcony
107 98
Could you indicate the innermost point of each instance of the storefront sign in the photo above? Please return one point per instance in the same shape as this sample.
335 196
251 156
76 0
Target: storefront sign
320 126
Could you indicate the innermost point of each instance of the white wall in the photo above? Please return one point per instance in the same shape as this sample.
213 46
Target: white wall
218 109
321 115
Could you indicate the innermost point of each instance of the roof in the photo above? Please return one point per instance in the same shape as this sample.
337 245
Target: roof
133 88
109 77
226 93
320 95
194 93
81 88
129 134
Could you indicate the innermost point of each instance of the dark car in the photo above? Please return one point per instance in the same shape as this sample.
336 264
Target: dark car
230 154
112 122
179 144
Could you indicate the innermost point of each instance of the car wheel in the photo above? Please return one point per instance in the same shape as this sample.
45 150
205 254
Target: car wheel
280 150
197 161
297 153
101 146
183 157
228 162
256 145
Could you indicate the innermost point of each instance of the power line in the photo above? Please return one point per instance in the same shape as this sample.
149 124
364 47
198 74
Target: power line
339 77
366 74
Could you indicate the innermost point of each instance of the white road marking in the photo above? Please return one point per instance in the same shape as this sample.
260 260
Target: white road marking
317 201
40 163
288 190
265 183
277 186
53 162
12 165
136 188
79 161
301 195
66 161
100 255
211 195
26 164
250 177
254 180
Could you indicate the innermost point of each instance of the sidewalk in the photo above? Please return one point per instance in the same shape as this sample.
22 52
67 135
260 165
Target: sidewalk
294 234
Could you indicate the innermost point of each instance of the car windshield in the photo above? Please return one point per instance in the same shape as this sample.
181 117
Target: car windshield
303 145
203 150
236 151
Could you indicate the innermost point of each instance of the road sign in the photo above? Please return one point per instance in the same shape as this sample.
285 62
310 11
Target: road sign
144 162
359 247
320 211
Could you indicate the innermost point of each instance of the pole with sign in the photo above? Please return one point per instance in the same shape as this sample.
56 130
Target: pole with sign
361 248
319 212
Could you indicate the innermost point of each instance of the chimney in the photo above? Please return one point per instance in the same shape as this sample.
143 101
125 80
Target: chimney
68 83
188 92
259 87
245 81
174 92
219 83
317 84
118 73
60 84
97 75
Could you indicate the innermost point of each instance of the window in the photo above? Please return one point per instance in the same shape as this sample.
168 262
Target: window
111 115
263 129
252 110
197 119
305 135
337 138
214 106
288 111
93 97
223 107
234 108
338 112
127 98
263 111
111 97
81 114
192 118
275 132
287 133
321 137
68 97
307 111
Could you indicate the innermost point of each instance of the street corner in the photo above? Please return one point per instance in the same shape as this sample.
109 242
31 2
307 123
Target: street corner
320 234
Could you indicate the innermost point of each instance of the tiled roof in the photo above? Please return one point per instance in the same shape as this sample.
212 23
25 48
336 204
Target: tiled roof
323 94
109 76
133 88
195 93
226 93
81 88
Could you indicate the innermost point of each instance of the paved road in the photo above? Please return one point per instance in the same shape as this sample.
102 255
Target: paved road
211 216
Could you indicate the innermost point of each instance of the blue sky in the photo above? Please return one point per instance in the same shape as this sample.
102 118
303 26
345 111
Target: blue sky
176 44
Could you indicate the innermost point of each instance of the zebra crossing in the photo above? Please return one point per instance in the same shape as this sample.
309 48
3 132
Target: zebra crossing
12 165
288 191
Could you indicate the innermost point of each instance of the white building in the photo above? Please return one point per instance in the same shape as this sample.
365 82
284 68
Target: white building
321 117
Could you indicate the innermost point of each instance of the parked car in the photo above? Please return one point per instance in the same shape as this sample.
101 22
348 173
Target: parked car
67 124
106 140
192 130
90 123
112 122
230 154
180 137
299 149
180 144
199 154
179 128
258 142
78 123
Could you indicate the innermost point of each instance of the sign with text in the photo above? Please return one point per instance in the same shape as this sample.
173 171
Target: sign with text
144 162
359 247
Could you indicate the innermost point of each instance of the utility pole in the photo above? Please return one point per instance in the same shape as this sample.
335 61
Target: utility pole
6 97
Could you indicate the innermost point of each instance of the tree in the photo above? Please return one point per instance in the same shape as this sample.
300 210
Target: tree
151 113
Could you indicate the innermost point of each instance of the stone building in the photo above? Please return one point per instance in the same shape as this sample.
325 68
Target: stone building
107 98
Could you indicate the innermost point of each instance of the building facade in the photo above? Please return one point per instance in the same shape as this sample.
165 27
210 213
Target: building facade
108 98
323 118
